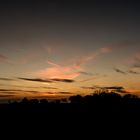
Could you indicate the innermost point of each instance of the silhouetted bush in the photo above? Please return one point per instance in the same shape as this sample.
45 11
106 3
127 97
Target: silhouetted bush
99 102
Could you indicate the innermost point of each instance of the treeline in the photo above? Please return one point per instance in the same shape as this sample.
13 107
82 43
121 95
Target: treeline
97 102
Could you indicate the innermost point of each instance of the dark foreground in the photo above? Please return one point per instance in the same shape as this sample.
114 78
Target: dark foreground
98 113
97 105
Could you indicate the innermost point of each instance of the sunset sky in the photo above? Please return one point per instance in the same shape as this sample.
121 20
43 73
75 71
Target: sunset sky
61 48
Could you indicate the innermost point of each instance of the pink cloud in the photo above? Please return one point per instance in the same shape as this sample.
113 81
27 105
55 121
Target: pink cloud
134 60
106 50
49 50
94 55
60 72
70 71
5 59
137 56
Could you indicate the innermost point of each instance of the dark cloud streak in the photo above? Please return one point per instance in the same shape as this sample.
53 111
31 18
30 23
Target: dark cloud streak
109 88
85 73
6 79
63 80
4 96
47 80
120 71
35 80
49 87
64 92
133 72
3 58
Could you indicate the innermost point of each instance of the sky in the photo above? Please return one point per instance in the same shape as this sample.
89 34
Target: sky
58 48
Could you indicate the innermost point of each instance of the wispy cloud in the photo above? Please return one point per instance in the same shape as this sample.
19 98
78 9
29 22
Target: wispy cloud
70 71
47 80
5 59
101 87
97 76
136 65
85 73
12 90
130 71
35 80
133 72
16 91
64 92
49 87
31 55
49 50
106 50
136 62
118 89
6 79
59 72
4 96
114 88
94 55
120 71
91 87
63 80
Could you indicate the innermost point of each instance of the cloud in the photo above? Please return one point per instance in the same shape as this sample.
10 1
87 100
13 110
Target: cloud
59 72
123 91
92 87
136 65
99 87
89 79
35 80
48 80
49 87
136 62
114 88
6 79
118 89
106 50
85 73
31 55
124 44
63 80
49 50
16 91
33 87
126 72
97 76
31 91
64 92
120 71
4 59
133 72
3 96
10 90
94 55
70 71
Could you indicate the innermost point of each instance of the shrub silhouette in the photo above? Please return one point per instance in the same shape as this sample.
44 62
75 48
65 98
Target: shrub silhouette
96 103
